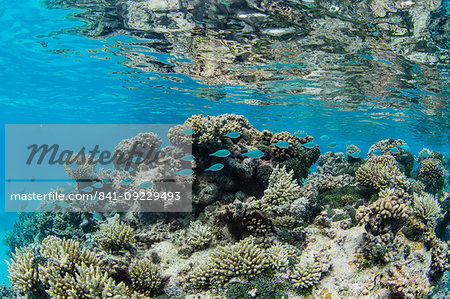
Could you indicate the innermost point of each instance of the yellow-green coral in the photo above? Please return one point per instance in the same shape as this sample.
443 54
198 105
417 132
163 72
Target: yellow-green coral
23 271
242 260
427 207
145 276
199 235
381 172
432 169
307 273
62 269
282 190
114 235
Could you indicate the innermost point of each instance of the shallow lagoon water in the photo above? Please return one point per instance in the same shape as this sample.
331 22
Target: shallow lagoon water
52 75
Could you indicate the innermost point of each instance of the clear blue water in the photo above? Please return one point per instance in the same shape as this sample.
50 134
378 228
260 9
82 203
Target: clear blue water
50 76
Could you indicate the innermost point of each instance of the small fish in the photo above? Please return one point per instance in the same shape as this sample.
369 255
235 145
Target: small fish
127 168
255 154
87 189
97 185
225 3
232 135
324 137
187 158
106 181
355 155
308 144
223 153
393 150
197 21
425 155
377 152
146 184
348 142
404 147
187 131
185 172
98 216
125 182
138 159
215 167
282 144
332 144
300 134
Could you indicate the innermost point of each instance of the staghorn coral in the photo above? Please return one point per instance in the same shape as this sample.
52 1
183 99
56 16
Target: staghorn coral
307 273
114 235
23 271
427 207
257 224
431 169
145 276
282 154
387 213
286 221
199 235
279 256
282 190
405 283
381 172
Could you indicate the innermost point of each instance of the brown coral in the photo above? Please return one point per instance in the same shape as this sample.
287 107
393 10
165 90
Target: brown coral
283 154
431 169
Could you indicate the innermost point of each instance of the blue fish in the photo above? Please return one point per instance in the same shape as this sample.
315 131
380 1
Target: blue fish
97 185
187 158
332 144
146 184
377 152
355 155
308 144
223 153
300 134
232 135
393 150
98 216
348 142
404 147
255 154
282 144
215 167
324 137
107 181
87 189
125 182
425 155
185 172
138 159
187 131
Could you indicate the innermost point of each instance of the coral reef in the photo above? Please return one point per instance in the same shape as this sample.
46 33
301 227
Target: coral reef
402 282
199 235
306 274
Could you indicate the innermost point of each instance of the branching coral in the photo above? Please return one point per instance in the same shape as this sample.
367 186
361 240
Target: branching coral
23 271
381 172
387 213
427 207
244 260
307 273
114 235
61 269
199 235
145 276
282 190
